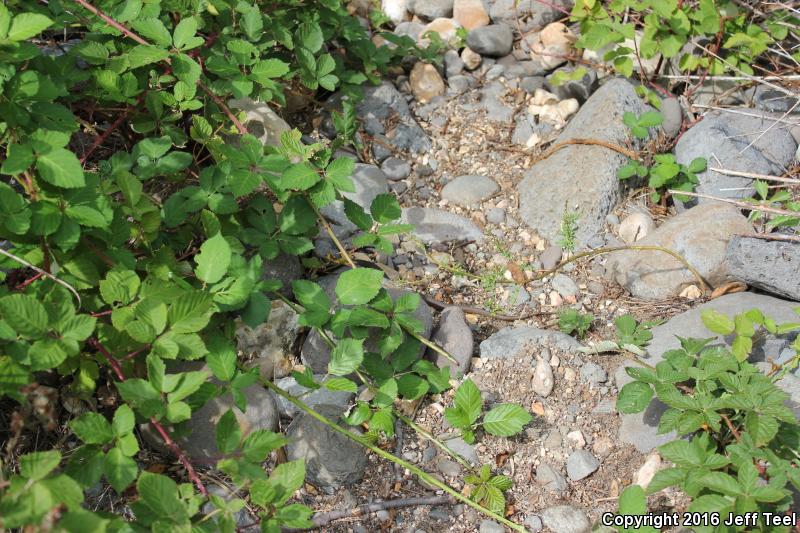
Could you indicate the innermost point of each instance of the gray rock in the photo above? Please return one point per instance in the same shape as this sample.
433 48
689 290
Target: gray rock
640 429
526 14
516 342
533 523
773 266
772 100
454 335
369 181
580 89
271 346
566 519
410 29
321 396
431 9
332 460
261 121
515 295
550 478
490 526
564 286
606 406
459 84
722 138
435 225
442 514
542 381
673 116
581 178
496 215
284 268
493 40
490 100
395 168
531 83
551 256
467 451
699 234
453 65
469 189
593 373
448 468
526 127
495 72
581 464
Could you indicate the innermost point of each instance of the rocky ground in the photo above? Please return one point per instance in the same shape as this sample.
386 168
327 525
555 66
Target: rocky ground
464 146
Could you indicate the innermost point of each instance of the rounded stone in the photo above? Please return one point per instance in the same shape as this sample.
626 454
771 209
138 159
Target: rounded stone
469 189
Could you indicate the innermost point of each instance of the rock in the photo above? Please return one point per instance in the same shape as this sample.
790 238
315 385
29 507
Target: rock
542 381
332 460
550 109
605 406
640 429
700 235
551 256
270 346
645 474
636 226
261 121
454 335
467 451
242 517
453 65
470 13
672 117
581 464
529 84
321 396
553 45
566 519
520 341
445 27
395 169
409 29
723 139
459 84
533 523
576 438
772 266
495 72
369 181
396 10
580 89
581 178
435 225
425 82
526 14
494 40
431 9
496 215
515 295
593 373
565 286
490 526
449 468
471 59
284 268
469 189
773 100
550 478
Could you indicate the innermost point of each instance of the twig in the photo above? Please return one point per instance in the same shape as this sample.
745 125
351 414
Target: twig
323 519
359 439
630 154
730 426
746 114
771 237
43 273
765 177
738 203
797 102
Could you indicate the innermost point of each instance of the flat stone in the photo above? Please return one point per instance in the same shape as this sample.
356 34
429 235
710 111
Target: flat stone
700 235
431 9
469 189
494 40
593 373
565 286
449 468
672 117
550 478
551 256
773 266
513 342
435 225
582 178
636 227
467 451
470 13
395 168
581 464
426 82
723 139
490 526
455 336
566 519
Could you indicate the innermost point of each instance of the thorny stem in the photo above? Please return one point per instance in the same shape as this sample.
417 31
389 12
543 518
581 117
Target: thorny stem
190 471
100 139
426 477
730 426
333 237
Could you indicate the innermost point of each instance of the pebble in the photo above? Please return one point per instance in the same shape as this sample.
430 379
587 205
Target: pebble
566 519
593 373
426 82
581 464
648 470
467 451
605 406
471 59
542 382
383 515
496 215
672 117
603 446
533 523
551 256
636 226
449 468
553 440
550 478
530 84
453 64
565 286
494 40
490 526
441 514
576 438
395 168
470 13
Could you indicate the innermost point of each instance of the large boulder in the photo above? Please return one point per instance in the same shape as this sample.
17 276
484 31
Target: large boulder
640 429
431 9
700 235
724 139
773 266
582 178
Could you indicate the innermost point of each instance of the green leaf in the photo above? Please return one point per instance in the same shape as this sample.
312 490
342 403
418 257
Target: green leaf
289 477
339 172
61 168
160 494
27 25
346 357
119 286
717 322
468 400
502 482
258 444
37 465
213 259
137 391
356 214
358 285
25 314
300 176
385 208
762 428
633 501
153 29
270 68
228 433
506 419
634 397
145 54
120 469
92 428
183 33
340 384
650 119
221 359
190 312
123 421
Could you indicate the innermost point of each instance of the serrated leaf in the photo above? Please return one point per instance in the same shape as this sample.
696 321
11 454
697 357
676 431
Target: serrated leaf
346 357
123 421
506 419
160 494
340 384
385 208
37 465
120 469
27 25
190 312
358 285
92 428
634 397
25 314
228 433
213 259
468 400
300 176
717 322
258 444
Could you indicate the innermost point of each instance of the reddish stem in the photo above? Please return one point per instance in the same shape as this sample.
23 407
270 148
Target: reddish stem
102 313
190 471
100 139
29 281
